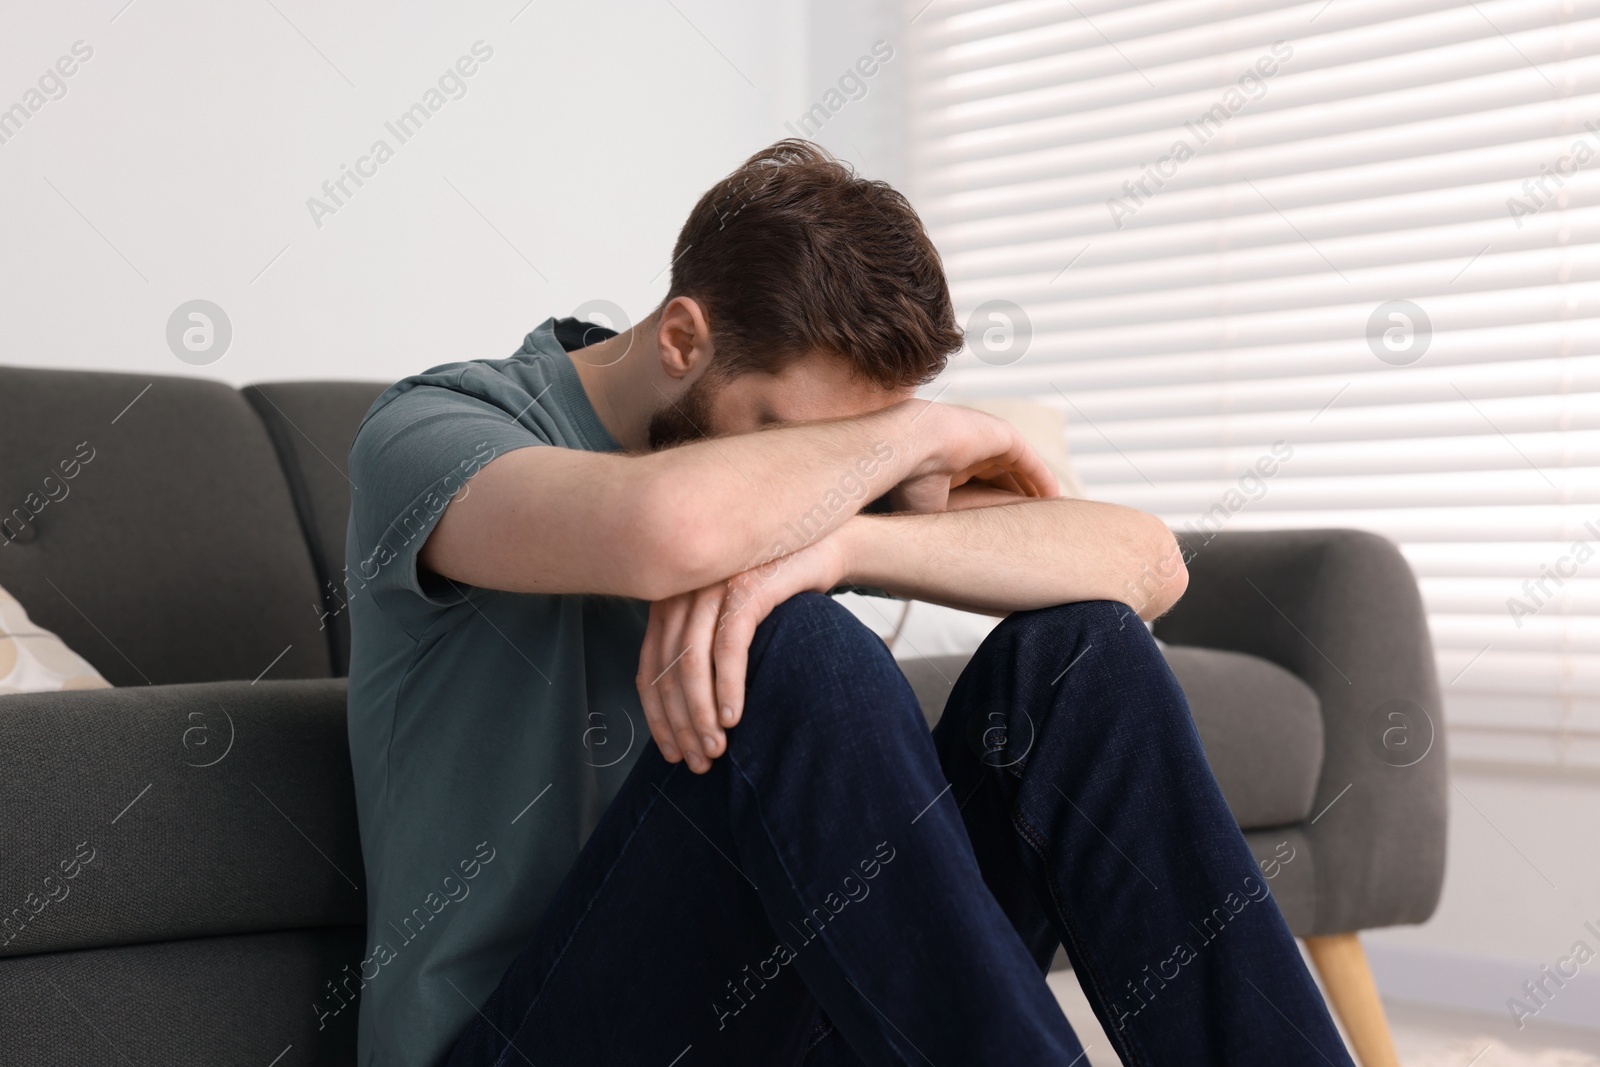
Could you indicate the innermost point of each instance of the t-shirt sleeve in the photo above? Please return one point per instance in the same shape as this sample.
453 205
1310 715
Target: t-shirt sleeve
411 457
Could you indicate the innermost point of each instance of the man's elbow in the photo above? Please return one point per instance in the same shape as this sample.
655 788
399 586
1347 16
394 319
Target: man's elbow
1158 575
1165 565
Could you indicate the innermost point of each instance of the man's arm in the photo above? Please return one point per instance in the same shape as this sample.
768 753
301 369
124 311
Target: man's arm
993 554
549 520
1018 556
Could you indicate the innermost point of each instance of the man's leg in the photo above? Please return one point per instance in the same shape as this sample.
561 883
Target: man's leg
1098 824
818 863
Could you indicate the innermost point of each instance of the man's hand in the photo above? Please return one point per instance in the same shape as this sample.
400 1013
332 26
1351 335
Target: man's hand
692 664
696 647
981 538
981 495
972 448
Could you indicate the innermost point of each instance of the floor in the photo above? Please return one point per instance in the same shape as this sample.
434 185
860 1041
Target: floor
1424 1037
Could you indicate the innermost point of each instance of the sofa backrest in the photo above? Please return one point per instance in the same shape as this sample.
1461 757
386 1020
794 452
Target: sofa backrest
184 861
312 425
146 520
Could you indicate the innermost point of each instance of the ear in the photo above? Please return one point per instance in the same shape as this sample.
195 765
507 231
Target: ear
683 337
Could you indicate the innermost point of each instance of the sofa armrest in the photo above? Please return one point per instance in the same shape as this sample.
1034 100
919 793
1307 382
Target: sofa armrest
1341 609
165 812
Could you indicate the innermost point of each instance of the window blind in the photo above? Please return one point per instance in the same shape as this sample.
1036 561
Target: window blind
1360 237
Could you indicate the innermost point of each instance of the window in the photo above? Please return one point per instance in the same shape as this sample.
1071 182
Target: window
1365 234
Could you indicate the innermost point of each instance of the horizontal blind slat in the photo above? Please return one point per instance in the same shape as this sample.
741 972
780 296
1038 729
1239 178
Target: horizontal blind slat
1210 331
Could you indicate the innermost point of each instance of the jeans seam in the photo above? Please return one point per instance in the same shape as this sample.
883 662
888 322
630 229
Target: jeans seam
821 934
577 926
762 816
1134 1056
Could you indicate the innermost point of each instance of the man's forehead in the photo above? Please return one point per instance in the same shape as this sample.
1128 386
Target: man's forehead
818 386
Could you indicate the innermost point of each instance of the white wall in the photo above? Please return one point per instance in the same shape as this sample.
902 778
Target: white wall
868 127
192 138
1522 881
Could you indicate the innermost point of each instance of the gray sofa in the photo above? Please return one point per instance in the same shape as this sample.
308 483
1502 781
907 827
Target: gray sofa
179 857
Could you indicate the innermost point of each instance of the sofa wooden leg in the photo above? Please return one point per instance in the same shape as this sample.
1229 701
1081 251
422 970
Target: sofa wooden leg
1342 964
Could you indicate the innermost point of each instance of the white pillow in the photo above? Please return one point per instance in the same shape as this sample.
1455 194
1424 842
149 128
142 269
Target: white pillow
34 660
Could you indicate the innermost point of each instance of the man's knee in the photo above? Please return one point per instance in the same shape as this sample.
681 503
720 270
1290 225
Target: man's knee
1069 632
808 625
1086 659
1107 617
813 656
806 611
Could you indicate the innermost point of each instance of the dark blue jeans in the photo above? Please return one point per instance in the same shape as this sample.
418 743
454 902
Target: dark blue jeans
844 888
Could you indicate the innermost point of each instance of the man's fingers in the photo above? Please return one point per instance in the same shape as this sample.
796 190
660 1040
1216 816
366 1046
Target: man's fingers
655 712
1012 483
1035 474
922 495
682 729
752 596
982 494
676 646
660 726
695 669
668 688
731 651
701 641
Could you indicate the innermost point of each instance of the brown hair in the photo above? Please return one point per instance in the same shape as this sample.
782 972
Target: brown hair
793 253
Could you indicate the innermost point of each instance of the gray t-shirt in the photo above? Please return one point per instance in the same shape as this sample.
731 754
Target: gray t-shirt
488 730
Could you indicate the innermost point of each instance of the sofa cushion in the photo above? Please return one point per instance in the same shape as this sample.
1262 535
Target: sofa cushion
1262 731
147 523
1260 725
154 813
312 425
202 1002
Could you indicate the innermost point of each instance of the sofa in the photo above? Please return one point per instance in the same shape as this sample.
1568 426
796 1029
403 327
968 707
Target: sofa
179 855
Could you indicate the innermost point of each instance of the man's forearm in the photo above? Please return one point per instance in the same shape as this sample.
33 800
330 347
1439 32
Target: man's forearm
542 520
1014 557
741 501
746 499
545 520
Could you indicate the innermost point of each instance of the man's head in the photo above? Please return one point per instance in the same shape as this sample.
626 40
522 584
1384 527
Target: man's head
799 291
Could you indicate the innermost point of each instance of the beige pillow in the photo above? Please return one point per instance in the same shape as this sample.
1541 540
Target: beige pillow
33 660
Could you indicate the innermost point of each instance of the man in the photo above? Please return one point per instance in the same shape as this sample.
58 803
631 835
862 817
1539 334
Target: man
608 533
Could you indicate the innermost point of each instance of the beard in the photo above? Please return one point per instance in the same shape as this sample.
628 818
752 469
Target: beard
683 420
